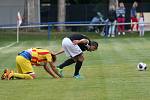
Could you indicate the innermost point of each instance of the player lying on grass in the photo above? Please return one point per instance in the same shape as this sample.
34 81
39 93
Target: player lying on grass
74 46
27 58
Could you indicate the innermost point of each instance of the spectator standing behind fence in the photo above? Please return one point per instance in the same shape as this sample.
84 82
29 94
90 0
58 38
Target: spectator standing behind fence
120 13
112 19
133 14
141 24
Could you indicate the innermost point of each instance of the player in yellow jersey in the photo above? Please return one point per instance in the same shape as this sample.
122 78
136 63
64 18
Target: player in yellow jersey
30 57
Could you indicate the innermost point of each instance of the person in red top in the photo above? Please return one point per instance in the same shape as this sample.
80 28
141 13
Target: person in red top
134 18
120 14
32 57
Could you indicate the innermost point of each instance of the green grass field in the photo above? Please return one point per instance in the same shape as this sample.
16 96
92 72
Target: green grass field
110 73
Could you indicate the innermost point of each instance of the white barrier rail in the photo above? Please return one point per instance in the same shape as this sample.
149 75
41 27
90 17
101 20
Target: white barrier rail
46 25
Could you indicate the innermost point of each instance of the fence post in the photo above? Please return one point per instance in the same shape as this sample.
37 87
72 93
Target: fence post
49 30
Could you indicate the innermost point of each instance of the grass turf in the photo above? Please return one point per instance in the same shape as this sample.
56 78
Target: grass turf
109 73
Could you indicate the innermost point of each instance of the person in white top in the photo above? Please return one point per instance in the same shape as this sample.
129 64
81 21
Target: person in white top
141 24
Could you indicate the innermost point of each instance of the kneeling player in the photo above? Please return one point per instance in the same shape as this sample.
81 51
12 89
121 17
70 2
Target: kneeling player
27 58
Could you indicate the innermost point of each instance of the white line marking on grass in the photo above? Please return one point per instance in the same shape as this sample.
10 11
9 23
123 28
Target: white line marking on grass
8 45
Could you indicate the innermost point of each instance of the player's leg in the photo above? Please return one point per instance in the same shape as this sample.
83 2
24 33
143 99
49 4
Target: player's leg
18 69
79 61
5 74
71 50
76 53
25 67
66 63
8 74
65 45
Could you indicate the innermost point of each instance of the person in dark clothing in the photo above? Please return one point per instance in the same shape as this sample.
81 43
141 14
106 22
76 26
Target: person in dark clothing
112 20
74 46
98 19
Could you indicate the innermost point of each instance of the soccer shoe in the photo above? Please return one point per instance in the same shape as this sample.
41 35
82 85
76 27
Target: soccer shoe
60 72
77 76
5 74
123 33
11 75
112 35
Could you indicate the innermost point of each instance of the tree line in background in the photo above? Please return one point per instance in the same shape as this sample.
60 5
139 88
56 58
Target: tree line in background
31 6
92 1
75 1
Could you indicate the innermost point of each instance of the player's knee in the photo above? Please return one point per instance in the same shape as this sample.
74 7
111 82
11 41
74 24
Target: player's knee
33 76
81 58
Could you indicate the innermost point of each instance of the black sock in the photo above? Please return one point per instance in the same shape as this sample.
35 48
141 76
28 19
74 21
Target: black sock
66 63
77 67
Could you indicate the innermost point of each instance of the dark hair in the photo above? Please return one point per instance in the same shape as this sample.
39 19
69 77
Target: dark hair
53 57
94 43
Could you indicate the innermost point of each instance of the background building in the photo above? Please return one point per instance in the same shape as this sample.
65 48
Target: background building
29 9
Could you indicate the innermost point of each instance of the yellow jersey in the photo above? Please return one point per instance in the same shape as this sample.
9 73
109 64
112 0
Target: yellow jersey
40 56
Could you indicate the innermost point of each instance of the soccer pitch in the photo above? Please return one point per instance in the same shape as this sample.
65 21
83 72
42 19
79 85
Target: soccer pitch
110 73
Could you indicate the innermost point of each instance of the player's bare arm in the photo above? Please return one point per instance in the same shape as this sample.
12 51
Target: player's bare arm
82 41
60 52
47 69
54 69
